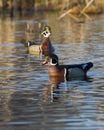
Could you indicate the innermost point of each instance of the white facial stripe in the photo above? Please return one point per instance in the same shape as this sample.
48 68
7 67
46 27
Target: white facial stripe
52 63
46 34
65 73
28 43
84 66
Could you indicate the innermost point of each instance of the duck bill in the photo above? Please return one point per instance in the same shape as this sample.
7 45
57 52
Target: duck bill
44 62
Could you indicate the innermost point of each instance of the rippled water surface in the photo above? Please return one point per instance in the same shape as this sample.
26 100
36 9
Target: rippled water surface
29 98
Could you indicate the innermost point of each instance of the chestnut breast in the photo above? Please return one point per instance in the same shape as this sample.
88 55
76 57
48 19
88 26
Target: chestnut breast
55 71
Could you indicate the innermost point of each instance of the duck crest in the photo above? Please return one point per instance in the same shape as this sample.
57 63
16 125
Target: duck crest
87 66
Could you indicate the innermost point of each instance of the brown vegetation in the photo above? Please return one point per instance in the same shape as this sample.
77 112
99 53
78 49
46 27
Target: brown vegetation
76 6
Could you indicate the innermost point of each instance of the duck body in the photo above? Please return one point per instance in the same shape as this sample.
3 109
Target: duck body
31 46
34 48
47 47
68 72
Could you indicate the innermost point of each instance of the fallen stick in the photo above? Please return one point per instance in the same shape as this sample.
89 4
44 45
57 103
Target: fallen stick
64 14
73 17
87 16
86 7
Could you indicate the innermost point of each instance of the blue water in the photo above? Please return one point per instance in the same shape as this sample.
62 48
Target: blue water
28 98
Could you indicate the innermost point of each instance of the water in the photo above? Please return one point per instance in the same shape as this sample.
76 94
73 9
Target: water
28 98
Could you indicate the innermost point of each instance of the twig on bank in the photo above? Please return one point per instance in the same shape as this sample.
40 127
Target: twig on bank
83 11
64 14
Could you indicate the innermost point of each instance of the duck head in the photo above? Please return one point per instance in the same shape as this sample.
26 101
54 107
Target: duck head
52 59
47 31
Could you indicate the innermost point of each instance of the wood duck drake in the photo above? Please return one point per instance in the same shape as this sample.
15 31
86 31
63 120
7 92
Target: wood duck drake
45 47
67 72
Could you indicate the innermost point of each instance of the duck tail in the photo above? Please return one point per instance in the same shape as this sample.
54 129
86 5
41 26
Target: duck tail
87 66
27 43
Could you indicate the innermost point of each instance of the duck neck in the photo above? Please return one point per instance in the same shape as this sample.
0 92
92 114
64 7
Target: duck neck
53 68
56 72
47 39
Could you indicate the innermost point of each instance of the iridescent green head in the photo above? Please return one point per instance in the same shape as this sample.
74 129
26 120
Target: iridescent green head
52 59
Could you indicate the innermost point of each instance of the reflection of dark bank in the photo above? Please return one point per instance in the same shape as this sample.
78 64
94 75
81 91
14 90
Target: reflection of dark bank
15 8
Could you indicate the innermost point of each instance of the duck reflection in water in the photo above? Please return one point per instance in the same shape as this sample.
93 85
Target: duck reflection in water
52 92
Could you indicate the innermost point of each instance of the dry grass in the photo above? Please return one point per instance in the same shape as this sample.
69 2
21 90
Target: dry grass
96 7
100 4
